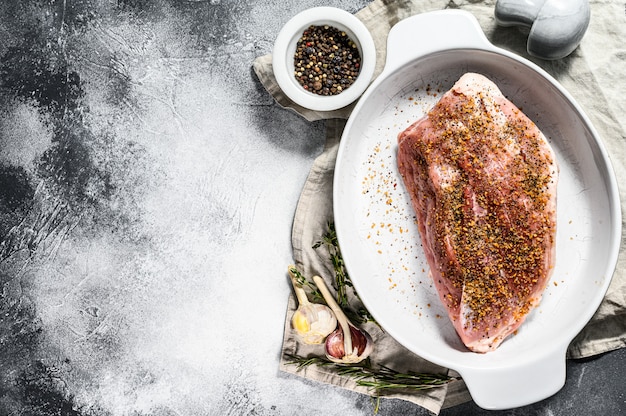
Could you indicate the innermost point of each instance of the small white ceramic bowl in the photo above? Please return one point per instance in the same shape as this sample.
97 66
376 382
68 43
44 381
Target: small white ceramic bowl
285 49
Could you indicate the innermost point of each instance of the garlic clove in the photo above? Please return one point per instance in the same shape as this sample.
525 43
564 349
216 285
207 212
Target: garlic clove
313 322
362 346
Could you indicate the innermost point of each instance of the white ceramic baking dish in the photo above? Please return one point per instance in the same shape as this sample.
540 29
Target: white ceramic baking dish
376 226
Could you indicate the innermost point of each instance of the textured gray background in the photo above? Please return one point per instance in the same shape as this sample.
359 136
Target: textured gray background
147 187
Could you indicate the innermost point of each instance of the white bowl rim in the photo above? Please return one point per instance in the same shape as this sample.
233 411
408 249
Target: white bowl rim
284 51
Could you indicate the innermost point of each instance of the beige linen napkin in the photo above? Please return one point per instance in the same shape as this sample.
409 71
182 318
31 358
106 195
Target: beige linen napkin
592 74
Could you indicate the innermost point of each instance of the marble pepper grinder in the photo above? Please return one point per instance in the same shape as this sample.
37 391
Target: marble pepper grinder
556 26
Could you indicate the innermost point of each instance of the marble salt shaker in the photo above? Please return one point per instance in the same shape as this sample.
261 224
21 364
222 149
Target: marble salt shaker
556 26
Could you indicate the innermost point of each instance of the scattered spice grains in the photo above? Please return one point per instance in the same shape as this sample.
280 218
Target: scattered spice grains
327 61
390 225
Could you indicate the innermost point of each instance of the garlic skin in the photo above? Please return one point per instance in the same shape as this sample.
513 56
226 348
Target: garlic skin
347 344
313 322
362 346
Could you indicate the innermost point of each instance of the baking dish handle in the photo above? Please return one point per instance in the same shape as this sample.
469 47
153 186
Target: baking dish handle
436 31
518 385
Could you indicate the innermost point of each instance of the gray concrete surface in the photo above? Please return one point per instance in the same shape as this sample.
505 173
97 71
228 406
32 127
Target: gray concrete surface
148 188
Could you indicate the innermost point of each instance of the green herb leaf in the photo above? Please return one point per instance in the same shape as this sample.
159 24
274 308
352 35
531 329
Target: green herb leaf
342 279
380 379
303 282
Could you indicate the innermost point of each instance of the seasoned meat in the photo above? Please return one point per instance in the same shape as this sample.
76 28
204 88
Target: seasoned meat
482 180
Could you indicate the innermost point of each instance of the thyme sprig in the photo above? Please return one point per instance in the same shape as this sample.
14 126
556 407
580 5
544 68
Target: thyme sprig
342 279
304 282
379 379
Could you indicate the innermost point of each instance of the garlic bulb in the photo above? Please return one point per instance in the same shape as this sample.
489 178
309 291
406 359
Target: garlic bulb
361 341
313 322
347 344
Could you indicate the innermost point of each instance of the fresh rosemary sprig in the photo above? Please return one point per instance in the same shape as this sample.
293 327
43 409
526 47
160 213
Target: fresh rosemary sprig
378 379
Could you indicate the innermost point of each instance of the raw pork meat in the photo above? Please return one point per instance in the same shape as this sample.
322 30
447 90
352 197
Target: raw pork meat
482 180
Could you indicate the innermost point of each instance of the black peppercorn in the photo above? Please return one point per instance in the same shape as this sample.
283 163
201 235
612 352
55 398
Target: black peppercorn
326 60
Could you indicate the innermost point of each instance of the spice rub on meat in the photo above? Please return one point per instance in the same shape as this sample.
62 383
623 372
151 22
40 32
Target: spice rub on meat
482 180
